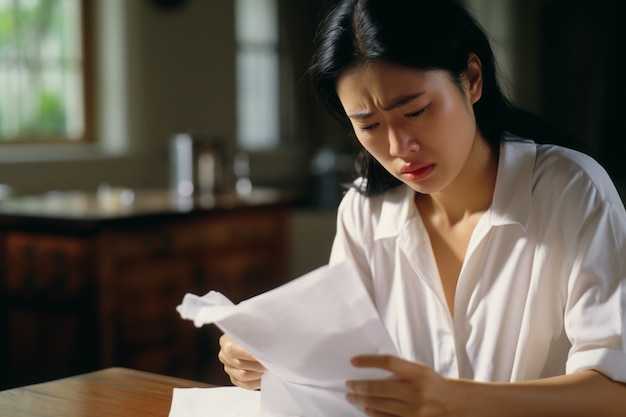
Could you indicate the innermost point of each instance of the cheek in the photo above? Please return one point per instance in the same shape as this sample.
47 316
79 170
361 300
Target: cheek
376 146
456 125
366 140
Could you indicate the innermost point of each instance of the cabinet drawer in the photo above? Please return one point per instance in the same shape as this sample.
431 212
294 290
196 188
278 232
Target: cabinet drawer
54 266
140 243
146 295
232 230
185 236
241 274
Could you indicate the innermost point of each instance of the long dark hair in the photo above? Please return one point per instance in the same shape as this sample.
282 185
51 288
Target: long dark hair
420 34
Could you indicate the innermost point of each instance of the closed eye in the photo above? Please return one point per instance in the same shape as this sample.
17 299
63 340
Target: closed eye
417 113
368 127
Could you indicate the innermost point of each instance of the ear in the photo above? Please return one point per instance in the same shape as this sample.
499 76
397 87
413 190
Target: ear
474 77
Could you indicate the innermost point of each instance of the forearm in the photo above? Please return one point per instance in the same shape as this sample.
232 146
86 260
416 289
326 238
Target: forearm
584 394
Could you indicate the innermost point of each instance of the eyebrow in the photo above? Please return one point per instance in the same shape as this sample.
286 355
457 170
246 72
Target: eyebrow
400 101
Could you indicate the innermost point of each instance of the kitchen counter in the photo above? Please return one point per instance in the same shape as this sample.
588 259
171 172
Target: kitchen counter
89 281
118 205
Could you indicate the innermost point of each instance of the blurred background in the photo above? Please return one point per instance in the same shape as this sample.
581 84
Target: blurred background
153 68
105 98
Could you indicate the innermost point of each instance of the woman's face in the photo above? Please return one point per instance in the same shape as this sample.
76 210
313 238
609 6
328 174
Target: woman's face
419 125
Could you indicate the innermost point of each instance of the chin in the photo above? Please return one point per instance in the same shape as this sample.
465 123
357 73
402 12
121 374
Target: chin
426 186
420 189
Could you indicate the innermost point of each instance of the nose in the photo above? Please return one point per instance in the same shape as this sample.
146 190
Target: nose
401 141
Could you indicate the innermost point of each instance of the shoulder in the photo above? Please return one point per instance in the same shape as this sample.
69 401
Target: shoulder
566 172
572 190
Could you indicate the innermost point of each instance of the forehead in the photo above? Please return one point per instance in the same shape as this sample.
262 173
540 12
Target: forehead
383 81
379 72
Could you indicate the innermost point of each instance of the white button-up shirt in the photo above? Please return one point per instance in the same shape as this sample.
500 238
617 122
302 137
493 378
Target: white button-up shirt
542 290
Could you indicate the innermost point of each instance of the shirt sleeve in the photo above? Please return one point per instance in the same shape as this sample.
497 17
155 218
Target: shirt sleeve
353 235
349 239
595 314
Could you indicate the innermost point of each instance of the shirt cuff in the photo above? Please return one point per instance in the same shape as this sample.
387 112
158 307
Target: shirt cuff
609 362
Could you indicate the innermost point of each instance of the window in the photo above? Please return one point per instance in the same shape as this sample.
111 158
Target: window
42 71
256 28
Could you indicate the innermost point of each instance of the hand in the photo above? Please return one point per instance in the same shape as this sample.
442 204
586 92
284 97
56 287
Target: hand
414 390
244 370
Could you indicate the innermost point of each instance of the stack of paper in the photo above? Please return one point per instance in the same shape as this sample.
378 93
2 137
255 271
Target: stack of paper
304 333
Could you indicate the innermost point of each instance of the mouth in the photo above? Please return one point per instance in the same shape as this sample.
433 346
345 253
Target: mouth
417 173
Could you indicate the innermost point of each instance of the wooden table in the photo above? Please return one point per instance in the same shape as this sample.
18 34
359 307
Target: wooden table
112 392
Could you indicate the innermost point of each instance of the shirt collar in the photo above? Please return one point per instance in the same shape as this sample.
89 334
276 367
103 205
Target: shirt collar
514 181
511 197
397 207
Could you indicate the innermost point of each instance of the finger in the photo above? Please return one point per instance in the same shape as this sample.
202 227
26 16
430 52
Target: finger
235 355
383 388
254 385
234 349
403 369
376 361
379 406
243 383
382 397
243 375
243 364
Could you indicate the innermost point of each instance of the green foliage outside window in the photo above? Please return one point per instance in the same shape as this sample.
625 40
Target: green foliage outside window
41 70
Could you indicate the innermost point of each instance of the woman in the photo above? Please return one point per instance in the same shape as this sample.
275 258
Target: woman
495 263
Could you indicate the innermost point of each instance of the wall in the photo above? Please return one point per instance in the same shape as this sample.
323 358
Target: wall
513 29
564 60
177 73
312 233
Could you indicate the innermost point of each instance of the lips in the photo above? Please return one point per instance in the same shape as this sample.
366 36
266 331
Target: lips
416 173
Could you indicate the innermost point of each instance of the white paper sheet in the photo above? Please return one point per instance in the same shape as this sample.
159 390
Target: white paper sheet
304 333
215 402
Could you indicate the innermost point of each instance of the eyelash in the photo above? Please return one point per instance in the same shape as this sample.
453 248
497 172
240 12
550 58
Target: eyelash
410 115
370 127
417 113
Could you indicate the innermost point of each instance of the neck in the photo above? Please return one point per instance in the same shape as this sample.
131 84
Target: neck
471 192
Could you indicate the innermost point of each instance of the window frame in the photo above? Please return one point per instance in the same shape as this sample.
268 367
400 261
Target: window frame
88 76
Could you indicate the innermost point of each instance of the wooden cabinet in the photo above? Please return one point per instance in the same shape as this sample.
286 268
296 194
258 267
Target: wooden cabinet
78 294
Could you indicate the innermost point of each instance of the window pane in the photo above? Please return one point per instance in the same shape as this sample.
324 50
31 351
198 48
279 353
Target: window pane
257 99
257 74
41 73
256 21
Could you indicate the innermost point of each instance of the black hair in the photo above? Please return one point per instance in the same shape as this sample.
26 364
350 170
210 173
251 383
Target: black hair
420 34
